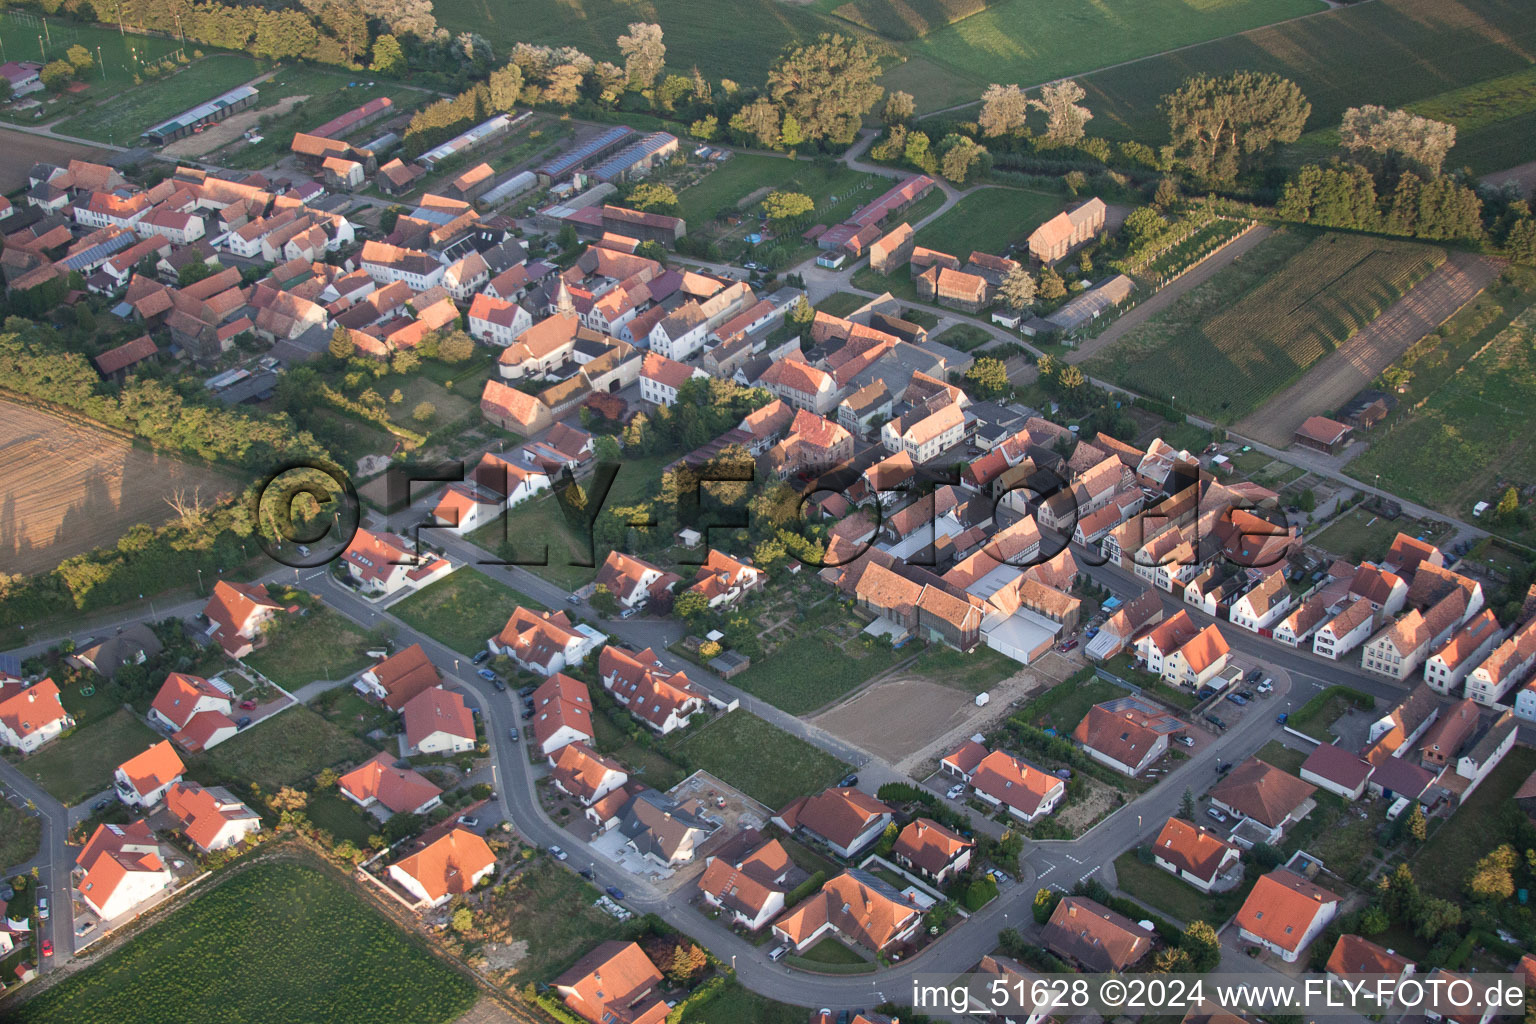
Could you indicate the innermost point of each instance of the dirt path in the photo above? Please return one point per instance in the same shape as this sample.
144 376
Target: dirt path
1335 378
1162 300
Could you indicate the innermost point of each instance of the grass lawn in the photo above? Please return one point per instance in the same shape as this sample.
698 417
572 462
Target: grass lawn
814 668
1442 865
340 817
451 406
1065 704
837 192
142 106
1157 888
346 708
19 34
760 759
972 672
464 610
284 750
1229 343
841 303
326 94
649 763
1279 755
830 951
1358 534
988 220
81 764
922 317
553 906
899 284
1316 717
20 834
964 337
735 1004
302 648
282 925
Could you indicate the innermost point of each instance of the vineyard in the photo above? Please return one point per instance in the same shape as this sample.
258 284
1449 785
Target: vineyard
1231 342
277 942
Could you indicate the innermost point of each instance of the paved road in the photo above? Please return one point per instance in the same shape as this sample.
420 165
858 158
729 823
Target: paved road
53 862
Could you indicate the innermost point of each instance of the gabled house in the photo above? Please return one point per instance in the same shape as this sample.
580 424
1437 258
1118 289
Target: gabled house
119 868
750 887
583 774
386 563
1199 660
722 580
1339 771
238 615
1155 647
614 984
399 678
1301 625
1194 854
1395 734
142 780
194 711
1126 734
1506 667
843 818
1093 936
130 645
212 818
1263 794
449 866
663 830
1344 631
857 906
933 850
1399 649
1027 793
32 715
963 761
466 506
660 378
1260 608
1285 912
801 385
437 721
1354 958
542 642
633 581
562 713
400 790
662 699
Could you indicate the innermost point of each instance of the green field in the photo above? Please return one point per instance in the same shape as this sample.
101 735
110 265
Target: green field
1162 891
277 942
964 337
321 645
20 834
81 764
729 183
989 220
19 35
1228 344
735 1004
120 120
464 610
288 749
1441 866
342 818
841 303
1471 433
814 668
760 759
1358 535
1392 52
553 907
1064 705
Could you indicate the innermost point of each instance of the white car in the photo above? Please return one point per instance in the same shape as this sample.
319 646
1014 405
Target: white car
42 908
956 791
557 853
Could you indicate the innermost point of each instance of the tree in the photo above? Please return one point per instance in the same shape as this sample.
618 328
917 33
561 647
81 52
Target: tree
564 87
1048 366
506 86
288 799
326 779
1052 287
1508 506
690 605
603 602
918 153
644 54
1491 877
783 207
790 133
800 315
962 158
424 412
1018 288
1417 826
607 450
190 273
342 346
1374 920
1166 195
828 85
1520 243
388 57
56 75
405 361
1399 893
705 127
455 347
1220 126
1065 120
988 376
1003 110
1433 916
1393 140
1045 904
1171 960
463 920
758 121
651 195
899 108
1187 805
1203 946
79 58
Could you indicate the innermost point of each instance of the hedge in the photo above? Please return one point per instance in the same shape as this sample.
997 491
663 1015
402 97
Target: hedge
805 888
557 1009
698 997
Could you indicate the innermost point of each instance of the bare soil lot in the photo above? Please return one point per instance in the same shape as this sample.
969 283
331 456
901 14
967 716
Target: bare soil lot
897 717
1335 379
20 150
227 131
68 487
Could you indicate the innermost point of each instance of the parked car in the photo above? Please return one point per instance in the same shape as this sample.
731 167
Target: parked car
1205 692
587 874
99 805
777 953
480 657
1237 698
47 947
1187 741
615 892
501 687
1066 646
849 781
557 853
526 691
42 908
245 720
956 791
1215 815
247 705
626 613
1282 718
572 599
1218 723
1222 769
488 675
1000 876
1063 773
512 732
469 821
1245 694
527 713
1254 676
1266 686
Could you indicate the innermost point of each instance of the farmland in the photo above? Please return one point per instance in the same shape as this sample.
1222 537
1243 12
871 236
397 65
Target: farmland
20 152
1393 52
1471 432
288 749
70 487
142 106
263 946
988 220
1232 341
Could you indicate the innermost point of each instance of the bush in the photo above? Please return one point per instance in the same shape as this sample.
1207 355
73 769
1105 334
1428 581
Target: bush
805 888
981 891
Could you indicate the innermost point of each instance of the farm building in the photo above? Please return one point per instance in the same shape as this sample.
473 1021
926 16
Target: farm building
1322 434
352 118
1087 307
1062 233
216 109
480 134
578 157
636 160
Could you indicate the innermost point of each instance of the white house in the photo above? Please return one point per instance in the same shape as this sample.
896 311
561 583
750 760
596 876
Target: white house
1285 912
119 868
1193 854
543 642
1345 631
31 715
451 866
1028 793
142 780
386 563
437 721
194 710
465 507
1263 606
211 818
497 322
751 889
660 378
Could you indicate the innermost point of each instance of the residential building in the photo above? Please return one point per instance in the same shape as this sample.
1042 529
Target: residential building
1285 912
399 678
32 715
399 790
1126 734
1259 609
929 848
614 984
1094 937
195 712
562 713
1264 795
119 868
1322 434
1399 649
925 437
1506 667
1055 238
384 564
664 700
963 761
449 866
437 721
498 322
142 780
129 645
1447 668
844 818
812 445
1199 660
856 906
660 378
1345 631
1339 771
212 818
543 642
633 581
1002 780
801 385
663 830
238 616
749 887
583 774
1355 958
1194 854
1154 648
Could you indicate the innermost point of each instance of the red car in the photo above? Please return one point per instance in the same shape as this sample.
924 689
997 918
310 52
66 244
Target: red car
47 948
247 705
1067 646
